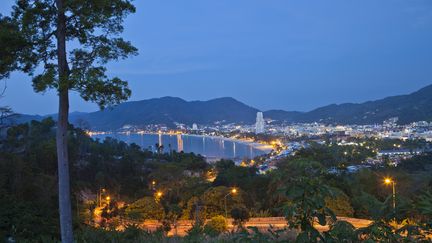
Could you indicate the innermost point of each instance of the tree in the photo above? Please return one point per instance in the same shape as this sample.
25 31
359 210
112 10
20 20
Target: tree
240 215
214 199
38 33
5 112
305 192
306 205
340 204
145 208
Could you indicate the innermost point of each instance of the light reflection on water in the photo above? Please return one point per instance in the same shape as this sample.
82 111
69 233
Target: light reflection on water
210 147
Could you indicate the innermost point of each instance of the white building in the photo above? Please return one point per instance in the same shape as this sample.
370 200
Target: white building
194 127
259 125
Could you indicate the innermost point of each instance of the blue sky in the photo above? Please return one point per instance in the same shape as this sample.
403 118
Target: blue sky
270 54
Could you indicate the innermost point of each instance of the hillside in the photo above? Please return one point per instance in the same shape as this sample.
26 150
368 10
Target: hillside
416 106
168 110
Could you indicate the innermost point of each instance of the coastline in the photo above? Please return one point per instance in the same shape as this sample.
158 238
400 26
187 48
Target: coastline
263 147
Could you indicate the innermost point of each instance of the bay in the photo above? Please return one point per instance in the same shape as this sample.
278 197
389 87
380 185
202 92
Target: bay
212 148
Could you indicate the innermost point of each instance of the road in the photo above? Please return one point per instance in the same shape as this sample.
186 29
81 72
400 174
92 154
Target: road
261 223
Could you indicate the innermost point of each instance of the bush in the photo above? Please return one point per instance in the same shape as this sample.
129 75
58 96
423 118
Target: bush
341 231
240 215
132 233
216 226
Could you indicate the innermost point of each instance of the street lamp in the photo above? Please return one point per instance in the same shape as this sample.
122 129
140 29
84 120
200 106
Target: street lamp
389 181
153 185
158 195
232 191
108 199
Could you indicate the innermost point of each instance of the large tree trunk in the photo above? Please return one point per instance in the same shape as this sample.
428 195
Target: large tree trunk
63 169
62 129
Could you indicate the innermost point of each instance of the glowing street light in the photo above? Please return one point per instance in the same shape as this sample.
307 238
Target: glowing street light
153 185
390 181
233 192
158 195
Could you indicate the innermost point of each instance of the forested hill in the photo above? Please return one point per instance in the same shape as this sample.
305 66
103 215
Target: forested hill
416 106
168 110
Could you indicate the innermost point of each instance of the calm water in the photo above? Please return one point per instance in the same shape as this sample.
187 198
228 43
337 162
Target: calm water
212 148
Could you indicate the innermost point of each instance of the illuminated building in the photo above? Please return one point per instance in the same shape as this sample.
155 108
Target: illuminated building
194 127
259 125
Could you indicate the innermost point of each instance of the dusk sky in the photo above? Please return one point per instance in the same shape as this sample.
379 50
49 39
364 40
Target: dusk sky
270 54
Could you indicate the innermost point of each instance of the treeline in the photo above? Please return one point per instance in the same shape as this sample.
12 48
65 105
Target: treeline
134 184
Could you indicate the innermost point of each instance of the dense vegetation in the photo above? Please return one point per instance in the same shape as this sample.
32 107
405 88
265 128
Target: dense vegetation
301 189
408 108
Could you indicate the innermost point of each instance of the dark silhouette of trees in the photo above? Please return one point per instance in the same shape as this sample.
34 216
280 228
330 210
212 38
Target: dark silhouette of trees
38 33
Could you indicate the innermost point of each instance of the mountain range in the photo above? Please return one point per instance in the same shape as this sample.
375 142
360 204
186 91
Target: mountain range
416 106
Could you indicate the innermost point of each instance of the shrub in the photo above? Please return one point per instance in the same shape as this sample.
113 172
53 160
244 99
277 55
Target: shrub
216 226
240 215
341 231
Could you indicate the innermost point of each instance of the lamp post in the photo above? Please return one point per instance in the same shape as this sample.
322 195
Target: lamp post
232 191
389 181
101 190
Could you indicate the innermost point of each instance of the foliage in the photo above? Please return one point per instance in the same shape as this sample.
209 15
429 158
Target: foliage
131 234
417 163
424 205
379 231
37 36
301 187
341 231
306 195
339 204
366 205
145 208
95 25
338 156
240 215
307 203
213 201
216 225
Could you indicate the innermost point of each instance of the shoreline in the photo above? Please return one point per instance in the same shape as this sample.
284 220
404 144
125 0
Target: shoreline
263 147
